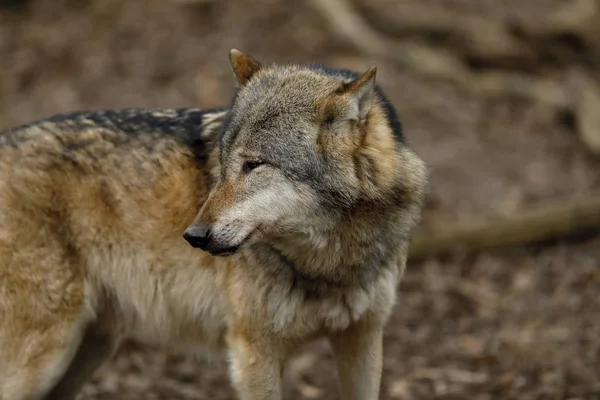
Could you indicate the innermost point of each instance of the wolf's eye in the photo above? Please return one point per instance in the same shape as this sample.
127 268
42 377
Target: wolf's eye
250 165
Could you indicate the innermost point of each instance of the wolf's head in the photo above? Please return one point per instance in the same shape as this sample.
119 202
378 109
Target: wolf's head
302 146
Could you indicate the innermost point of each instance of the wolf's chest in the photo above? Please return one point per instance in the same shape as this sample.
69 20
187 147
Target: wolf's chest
182 305
292 311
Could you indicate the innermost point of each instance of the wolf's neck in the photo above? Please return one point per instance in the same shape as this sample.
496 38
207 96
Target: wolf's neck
353 252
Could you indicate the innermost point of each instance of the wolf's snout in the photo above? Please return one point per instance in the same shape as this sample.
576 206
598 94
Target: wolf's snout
198 235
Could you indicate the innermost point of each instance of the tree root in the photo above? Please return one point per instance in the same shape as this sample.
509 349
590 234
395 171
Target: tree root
545 222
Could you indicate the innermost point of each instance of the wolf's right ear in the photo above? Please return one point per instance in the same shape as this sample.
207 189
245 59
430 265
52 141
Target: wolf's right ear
361 92
244 67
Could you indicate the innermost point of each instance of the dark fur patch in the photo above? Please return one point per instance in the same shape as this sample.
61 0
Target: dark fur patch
313 287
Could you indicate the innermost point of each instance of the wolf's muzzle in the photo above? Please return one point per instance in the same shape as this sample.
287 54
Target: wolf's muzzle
199 236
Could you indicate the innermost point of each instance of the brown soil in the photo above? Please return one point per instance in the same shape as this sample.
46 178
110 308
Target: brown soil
521 323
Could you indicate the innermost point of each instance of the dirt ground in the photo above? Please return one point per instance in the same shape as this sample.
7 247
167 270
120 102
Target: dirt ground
519 323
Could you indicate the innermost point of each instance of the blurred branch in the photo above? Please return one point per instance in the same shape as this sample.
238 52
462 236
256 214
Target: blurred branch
435 63
541 223
347 23
479 36
586 110
485 38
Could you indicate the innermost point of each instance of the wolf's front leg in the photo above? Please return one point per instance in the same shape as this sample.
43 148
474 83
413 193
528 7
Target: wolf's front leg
358 356
255 367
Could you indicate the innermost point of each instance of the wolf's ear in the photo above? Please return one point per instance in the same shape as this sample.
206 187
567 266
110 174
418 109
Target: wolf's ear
243 66
361 92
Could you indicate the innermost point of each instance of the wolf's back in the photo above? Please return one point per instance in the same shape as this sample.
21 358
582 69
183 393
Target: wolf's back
131 165
132 128
107 141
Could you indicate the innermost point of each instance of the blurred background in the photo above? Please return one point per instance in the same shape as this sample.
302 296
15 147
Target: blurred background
500 97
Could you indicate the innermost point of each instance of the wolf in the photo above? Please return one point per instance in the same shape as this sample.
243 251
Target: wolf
283 218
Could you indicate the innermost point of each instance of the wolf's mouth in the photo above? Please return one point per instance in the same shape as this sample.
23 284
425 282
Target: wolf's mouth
224 252
228 251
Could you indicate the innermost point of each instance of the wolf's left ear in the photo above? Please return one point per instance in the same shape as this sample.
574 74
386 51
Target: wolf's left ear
243 66
361 92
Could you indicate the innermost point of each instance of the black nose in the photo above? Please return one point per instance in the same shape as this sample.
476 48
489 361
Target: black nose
198 235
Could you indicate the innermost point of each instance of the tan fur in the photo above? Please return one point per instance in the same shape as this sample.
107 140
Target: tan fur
91 248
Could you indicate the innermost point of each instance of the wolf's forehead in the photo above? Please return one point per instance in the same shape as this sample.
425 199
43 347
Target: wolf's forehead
279 107
277 100
255 125
275 127
288 87
269 114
